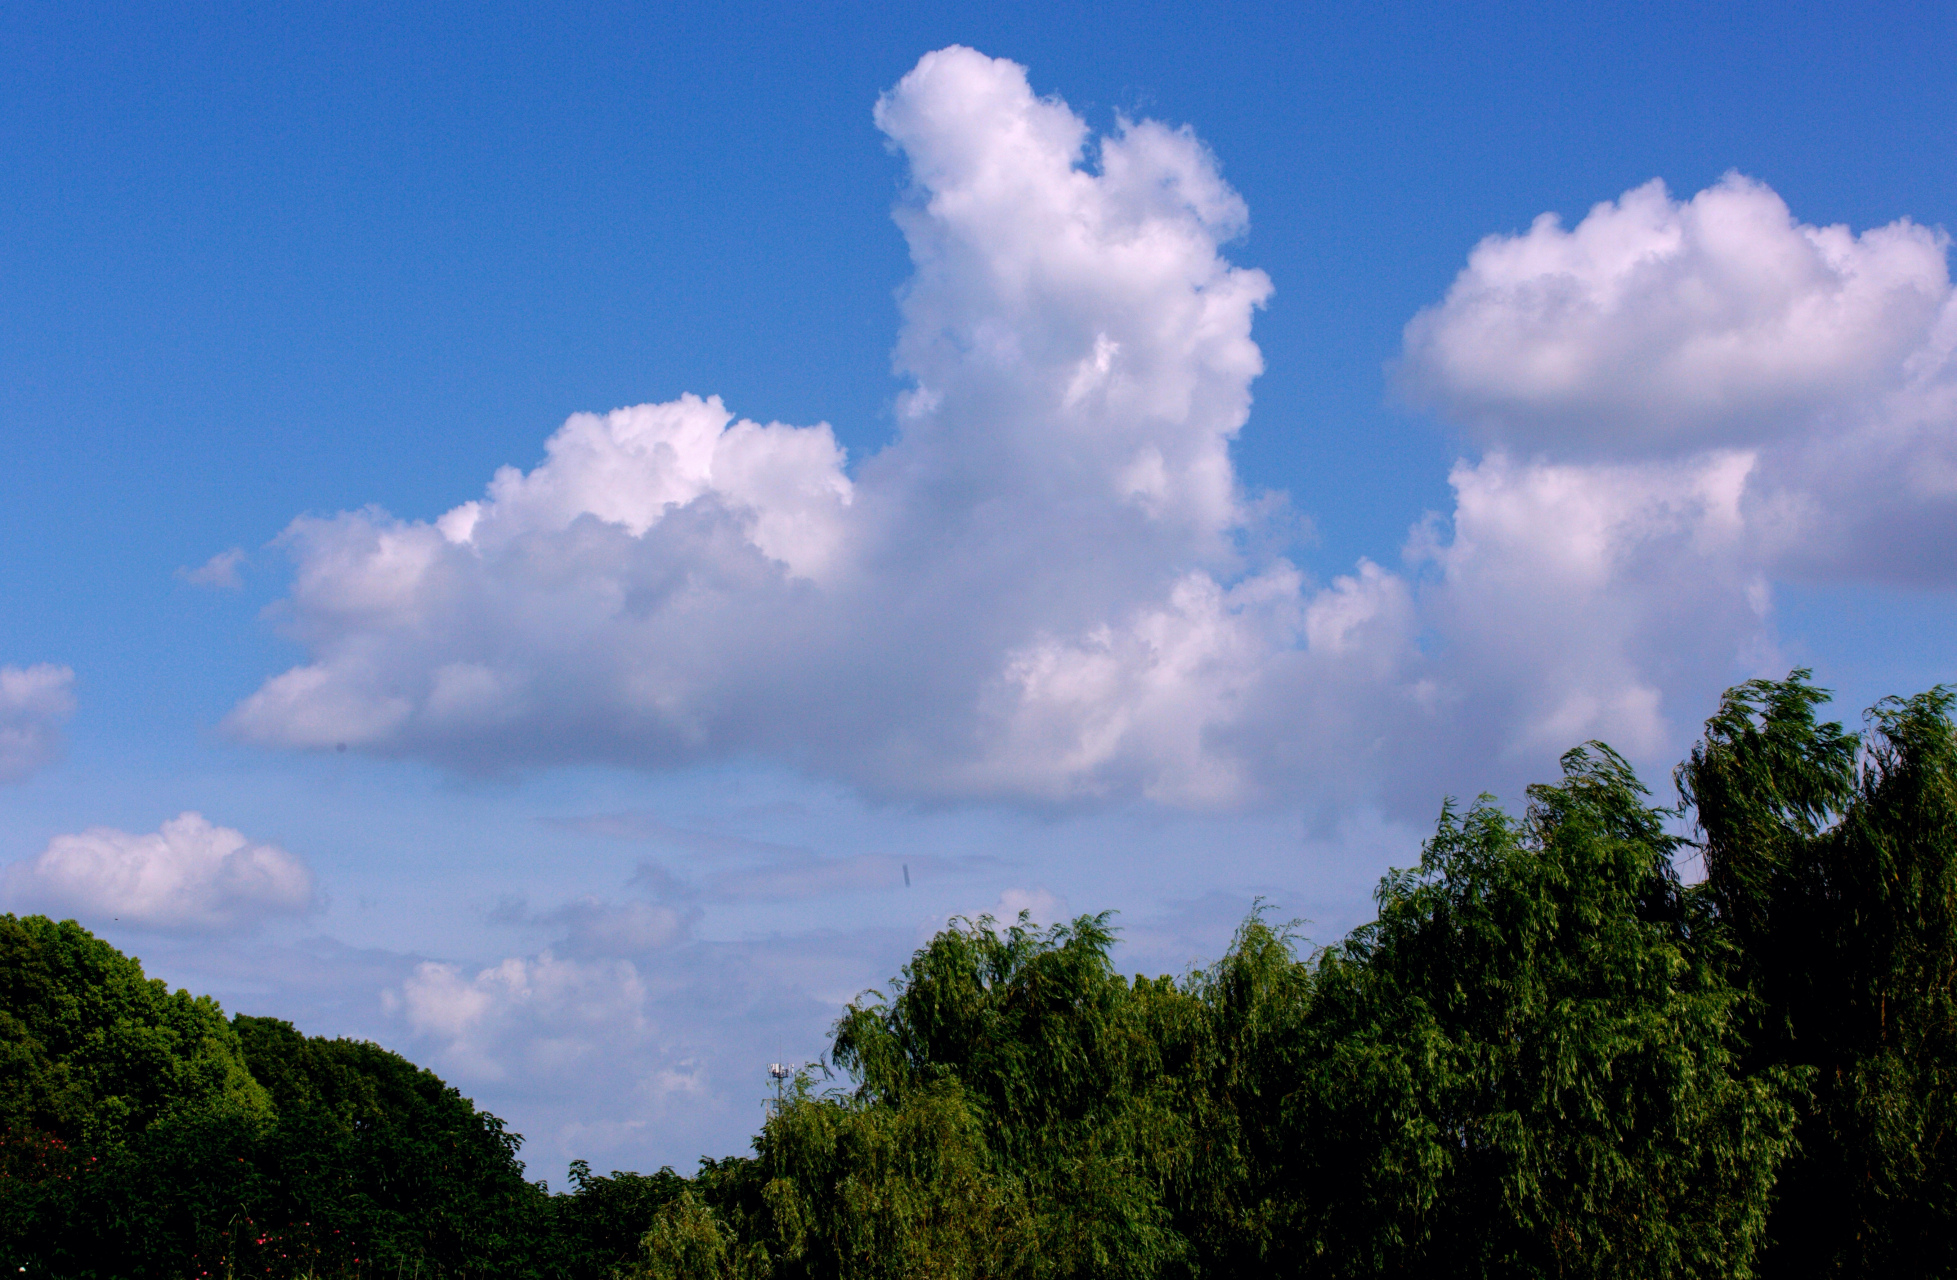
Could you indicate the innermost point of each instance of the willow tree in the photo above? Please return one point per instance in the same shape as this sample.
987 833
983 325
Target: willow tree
1531 1064
1832 859
1547 1056
1017 1108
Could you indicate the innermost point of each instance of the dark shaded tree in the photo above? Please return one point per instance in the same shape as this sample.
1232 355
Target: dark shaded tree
375 1161
147 1136
128 1112
1832 859
599 1224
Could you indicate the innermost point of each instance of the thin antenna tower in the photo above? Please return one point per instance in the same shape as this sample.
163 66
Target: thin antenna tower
780 1072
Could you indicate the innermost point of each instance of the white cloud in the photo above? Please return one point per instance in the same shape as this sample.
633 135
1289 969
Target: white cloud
1038 591
1659 328
1677 325
538 1015
188 874
669 585
1041 907
34 703
1557 604
220 571
605 1056
1132 708
1574 596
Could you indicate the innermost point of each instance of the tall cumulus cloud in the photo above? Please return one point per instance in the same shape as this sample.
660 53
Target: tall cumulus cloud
1038 591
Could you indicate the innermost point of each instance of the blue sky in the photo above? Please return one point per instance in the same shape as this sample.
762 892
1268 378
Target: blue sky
1068 610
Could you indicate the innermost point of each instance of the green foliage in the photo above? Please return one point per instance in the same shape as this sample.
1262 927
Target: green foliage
1547 1056
1529 1066
146 1135
1242 1053
1020 1110
687 1242
126 1109
1837 876
375 1159
1065 1066
92 1052
903 1189
600 1225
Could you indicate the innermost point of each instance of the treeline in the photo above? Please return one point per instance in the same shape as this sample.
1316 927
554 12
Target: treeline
1547 1056
144 1135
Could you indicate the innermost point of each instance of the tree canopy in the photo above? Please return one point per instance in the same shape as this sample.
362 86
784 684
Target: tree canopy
1549 1055
146 1135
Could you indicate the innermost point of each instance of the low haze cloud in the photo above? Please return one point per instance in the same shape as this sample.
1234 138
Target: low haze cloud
540 1015
1040 591
631 1025
34 703
187 875
628 1032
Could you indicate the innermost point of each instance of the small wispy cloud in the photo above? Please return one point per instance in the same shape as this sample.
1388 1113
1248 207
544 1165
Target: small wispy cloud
34 703
219 573
740 869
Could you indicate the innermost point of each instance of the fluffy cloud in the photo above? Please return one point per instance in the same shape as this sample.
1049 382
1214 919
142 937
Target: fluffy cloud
1658 324
586 606
1576 597
1137 706
1659 328
1039 591
554 1013
188 874
671 584
34 703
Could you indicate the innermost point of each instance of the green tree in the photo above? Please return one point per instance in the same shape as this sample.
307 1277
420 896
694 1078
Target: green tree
843 1187
127 1109
1069 1069
1833 860
147 1136
377 1160
1530 1065
601 1223
1018 1109
91 1051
